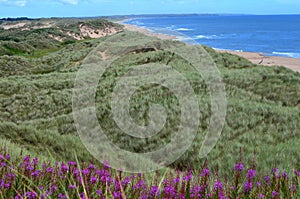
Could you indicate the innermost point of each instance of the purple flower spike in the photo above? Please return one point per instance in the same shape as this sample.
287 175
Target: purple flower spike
49 170
35 161
62 196
93 180
284 175
31 195
218 185
27 159
274 194
63 168
239 167
260 196
274 171
91 167
258 184
154 191
251 174
248 187
205 173
72 164
267 180
85 172
7 157
72 186
297 173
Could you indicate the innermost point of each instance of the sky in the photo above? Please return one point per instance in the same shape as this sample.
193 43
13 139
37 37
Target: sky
88 8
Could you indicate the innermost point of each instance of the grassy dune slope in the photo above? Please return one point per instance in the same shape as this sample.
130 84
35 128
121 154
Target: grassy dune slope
36 105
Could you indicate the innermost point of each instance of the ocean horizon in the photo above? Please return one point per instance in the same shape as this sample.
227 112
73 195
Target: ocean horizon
272 35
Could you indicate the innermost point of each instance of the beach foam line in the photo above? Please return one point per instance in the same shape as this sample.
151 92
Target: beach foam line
287 54
206 36
184 29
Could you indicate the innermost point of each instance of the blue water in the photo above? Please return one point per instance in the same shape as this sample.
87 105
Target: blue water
277 35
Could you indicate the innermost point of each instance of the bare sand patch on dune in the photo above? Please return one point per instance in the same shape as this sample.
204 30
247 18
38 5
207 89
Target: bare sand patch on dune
11 26
94 33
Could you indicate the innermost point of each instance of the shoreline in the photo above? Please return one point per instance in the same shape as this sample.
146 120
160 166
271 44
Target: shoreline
255 57
264 60
147 32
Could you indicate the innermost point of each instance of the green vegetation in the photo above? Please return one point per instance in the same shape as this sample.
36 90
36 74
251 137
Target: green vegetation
36 38
37 77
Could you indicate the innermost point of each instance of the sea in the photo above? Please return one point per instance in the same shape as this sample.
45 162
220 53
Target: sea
273 35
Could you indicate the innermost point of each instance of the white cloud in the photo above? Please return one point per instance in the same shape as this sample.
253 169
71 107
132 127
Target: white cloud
73 2
19 3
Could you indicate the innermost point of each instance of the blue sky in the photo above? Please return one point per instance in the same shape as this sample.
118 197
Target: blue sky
78 8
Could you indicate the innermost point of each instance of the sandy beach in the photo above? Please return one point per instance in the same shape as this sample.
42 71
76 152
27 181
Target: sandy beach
261 59
147 32
256 58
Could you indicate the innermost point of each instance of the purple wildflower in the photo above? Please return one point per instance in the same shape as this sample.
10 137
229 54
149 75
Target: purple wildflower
18 196
93 180
117 195
297 172
53 188
205 173
62 196
274 171
36 173
260 196
99 192
176 180
170 191
35 161
49 170
91 167
139 185
248 187
258 184
267 180
218 185
274 194
188 177
284 175
29 168
27 159
85 172
72 164
196 191
154 191
251 174
125 181
239 167
293 188
72 186
31 195
63 168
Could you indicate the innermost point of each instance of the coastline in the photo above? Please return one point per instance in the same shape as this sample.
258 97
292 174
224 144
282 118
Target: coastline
147 32
254 57
261 59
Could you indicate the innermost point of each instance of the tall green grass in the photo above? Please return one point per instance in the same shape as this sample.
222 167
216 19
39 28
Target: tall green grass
262 117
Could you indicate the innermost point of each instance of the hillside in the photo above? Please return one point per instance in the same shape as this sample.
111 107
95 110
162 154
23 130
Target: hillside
33 38
38 64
